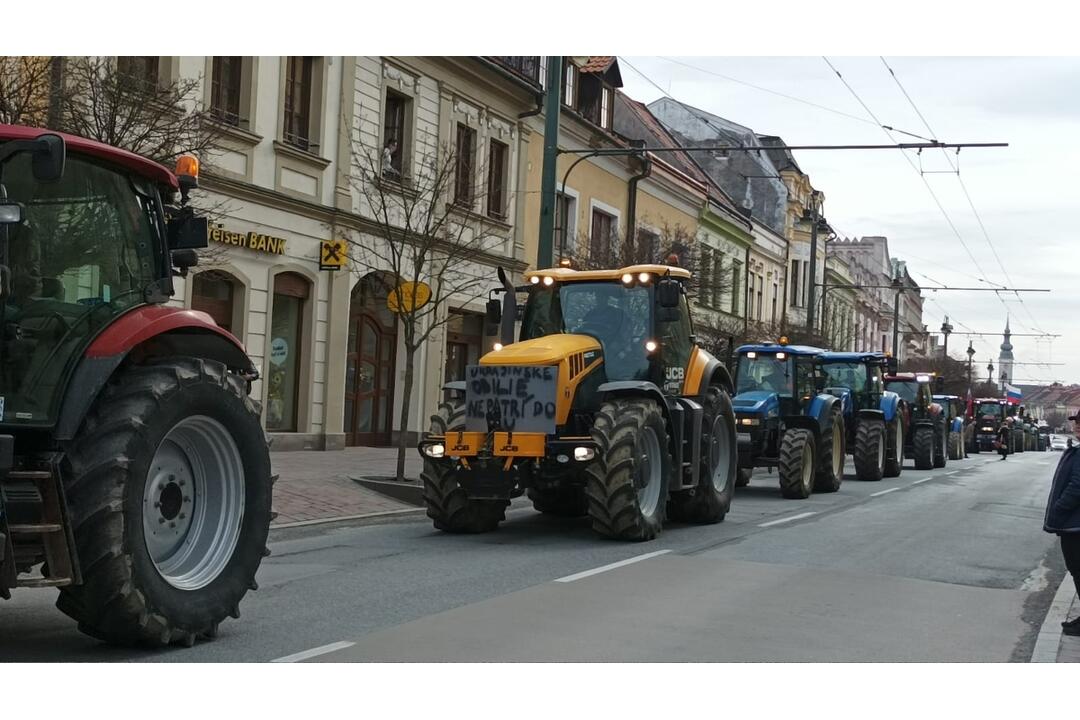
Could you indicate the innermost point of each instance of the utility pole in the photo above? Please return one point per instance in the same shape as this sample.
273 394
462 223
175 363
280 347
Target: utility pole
811 289
552 109
896 322
971 356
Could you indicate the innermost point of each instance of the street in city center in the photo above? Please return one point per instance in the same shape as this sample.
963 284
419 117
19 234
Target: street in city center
938 565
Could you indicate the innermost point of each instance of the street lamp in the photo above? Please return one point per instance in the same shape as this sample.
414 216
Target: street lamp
946 328
990 376
812 215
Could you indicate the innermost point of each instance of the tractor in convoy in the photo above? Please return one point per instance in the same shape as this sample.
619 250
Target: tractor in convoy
873 416
134 471
787 420
953 407
605 407
1019 441
926 431
990 413
1044 435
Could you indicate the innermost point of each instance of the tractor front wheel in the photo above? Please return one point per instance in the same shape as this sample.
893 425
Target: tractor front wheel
830 470
627 483
894 452
169 489
869 449
711 499
923 443
941 441
448 505
797 464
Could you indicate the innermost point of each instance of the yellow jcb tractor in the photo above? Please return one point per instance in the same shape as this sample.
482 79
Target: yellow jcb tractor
605 406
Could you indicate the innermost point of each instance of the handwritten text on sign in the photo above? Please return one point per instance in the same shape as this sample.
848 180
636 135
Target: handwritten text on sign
517 398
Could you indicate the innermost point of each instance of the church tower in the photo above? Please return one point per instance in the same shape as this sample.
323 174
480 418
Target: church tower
1005 359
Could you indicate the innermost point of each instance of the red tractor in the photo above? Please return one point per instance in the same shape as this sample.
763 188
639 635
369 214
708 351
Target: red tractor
134 471
926 431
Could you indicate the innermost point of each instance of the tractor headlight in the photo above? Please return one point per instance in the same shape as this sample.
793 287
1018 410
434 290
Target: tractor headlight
548 281
497 347
435 450
582 454
627 278
535 279
750 421
643 277
650 346
988 429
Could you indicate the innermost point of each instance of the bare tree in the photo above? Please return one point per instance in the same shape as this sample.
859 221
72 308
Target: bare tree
425 232
25 90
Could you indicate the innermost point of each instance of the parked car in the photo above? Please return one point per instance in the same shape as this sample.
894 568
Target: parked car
1057 443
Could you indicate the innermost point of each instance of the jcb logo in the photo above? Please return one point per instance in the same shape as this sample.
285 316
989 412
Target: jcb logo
674 373
460 448
508 448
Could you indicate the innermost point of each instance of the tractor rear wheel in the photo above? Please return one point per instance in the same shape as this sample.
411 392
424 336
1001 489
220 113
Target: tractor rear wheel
627 483
797 464
894 447
169 489
448 505
830 468
711 499
869 449
956 446
923 444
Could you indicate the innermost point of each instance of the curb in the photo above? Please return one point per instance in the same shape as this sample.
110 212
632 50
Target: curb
1049 639
343 518
406 492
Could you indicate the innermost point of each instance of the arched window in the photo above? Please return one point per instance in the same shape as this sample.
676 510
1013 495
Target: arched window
291 293
214 292
370 363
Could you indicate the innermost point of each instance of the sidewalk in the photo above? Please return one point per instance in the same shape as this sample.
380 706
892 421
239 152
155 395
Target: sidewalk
318 486
1069 650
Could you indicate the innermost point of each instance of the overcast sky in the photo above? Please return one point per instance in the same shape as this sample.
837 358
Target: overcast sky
1025 194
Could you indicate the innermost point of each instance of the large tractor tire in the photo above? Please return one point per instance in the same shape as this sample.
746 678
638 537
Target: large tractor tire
710 501
869 449
941 441
169 490
833 453
894 448
956 446
743 478
627 484
923 446
448 505
564 502
1017 442
797 464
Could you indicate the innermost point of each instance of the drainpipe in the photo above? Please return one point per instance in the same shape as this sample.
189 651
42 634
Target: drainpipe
746 293
631 198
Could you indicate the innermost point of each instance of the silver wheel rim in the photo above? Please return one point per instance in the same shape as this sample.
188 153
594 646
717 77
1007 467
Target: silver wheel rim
899 442
837 453
193 502
881 452
807 467
649 472
720 455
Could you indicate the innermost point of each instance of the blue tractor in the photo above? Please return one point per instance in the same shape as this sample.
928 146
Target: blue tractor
953 407
785 420
873 415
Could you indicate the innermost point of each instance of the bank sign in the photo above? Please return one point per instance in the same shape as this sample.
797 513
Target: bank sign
250 240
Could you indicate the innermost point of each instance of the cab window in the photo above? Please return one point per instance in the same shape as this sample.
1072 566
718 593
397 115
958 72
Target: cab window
674 331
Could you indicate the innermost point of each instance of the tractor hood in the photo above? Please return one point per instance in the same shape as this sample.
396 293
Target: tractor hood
756 402
547 350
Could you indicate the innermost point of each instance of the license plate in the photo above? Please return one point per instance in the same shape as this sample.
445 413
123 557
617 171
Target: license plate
744 437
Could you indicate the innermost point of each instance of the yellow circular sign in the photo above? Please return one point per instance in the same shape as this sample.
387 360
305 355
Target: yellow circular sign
408 296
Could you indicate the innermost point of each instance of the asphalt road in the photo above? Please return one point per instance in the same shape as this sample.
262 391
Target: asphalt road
941 565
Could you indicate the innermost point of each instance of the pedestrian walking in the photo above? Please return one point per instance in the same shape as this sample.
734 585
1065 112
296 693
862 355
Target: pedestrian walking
1004 433
1063 516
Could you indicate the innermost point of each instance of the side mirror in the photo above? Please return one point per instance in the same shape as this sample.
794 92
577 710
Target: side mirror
184 259
668 293
186 231
493 312
47 161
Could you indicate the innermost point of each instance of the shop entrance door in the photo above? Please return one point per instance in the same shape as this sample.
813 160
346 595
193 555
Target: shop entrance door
370 367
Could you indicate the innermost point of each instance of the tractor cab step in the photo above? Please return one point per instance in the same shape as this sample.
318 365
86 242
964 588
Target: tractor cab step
35 529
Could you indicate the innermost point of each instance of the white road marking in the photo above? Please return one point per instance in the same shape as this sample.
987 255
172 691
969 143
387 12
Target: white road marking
314 652
920 482
953 472
612 566
884 492
792 518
